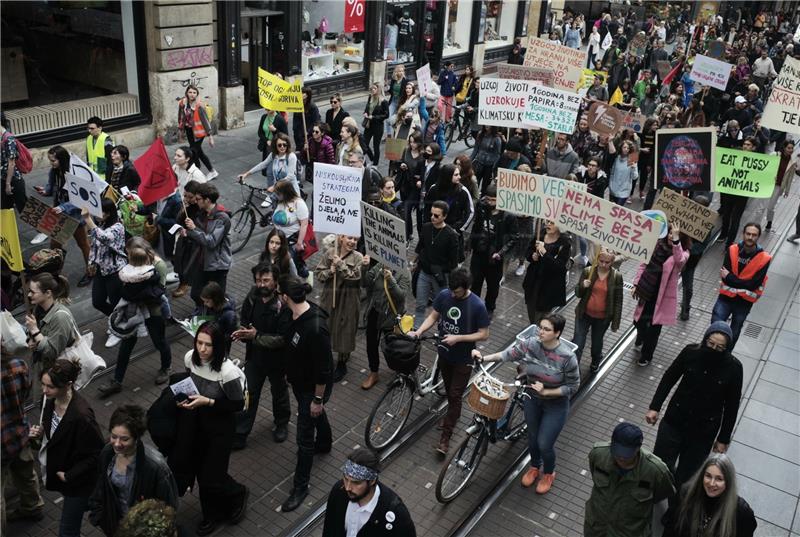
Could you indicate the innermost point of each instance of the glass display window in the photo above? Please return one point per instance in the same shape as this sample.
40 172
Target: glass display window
499 18
327 50
458 23
401 32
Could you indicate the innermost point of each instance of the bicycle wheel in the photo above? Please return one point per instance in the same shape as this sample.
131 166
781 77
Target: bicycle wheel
390 414
242 223
515 425
448 135
469 141
460 467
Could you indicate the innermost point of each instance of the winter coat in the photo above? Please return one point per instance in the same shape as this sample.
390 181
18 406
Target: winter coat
545 279
493 233
560 164
280 125
379 115
614 296
213 239
343 322
667 301
322 151
399 284
335 123
312 118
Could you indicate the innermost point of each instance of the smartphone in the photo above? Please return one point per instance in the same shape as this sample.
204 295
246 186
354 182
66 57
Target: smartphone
181 397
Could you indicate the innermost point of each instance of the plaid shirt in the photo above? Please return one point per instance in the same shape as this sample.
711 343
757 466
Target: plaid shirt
16 383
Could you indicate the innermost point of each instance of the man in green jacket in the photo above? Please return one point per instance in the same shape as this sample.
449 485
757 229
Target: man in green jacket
628 482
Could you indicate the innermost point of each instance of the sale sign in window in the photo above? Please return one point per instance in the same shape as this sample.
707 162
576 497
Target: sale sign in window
354 16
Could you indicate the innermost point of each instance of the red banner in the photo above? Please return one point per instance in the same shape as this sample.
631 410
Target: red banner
155 170
354 15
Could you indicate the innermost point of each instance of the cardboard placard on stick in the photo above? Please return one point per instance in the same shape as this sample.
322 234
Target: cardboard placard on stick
337 199
685 158
604 119
59 227
695 220
711 72
782 110
565 62
85 193
384 236
528 194
424 79
394 148
500 107
745 173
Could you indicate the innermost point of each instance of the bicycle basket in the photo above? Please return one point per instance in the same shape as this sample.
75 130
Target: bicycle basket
488 397
401 353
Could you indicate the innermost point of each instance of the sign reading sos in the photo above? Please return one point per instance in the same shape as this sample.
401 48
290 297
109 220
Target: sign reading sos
354 15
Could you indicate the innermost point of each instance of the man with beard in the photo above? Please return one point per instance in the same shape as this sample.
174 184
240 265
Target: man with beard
358 505
264 322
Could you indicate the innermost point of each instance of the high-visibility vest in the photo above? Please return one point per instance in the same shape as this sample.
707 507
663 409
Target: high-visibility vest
96 152
197 126
758 262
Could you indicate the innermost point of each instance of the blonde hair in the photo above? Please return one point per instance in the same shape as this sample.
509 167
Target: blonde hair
137 257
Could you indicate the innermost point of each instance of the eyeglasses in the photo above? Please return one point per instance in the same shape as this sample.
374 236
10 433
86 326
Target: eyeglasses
434 215
281 144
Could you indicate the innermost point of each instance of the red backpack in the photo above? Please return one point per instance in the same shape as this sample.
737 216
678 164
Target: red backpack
24 161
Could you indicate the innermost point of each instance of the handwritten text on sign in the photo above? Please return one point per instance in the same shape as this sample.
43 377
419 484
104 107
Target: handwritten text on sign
695 220
511 71
500 106
745 173
710 72
626 232
782 111
567 63
551 109
85 194
337 199
527 194
39 215
384 236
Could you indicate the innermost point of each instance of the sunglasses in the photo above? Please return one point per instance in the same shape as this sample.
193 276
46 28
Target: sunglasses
281 144
334 101
316 132
434 215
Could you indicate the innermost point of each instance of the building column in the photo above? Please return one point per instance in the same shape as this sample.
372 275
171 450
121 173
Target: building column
229 47
373 37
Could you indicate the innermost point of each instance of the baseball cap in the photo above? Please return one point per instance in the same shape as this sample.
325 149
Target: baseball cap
740 99
626 440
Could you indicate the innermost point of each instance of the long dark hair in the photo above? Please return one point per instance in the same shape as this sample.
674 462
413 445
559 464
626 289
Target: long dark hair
62 156
445 183
283 251
218 346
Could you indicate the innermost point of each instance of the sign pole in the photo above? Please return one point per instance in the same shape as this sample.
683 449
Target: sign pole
333 306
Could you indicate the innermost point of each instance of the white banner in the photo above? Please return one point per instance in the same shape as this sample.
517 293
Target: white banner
710 72
528 194
86 193
499 106
782 111
384 236
337 199
80 169
552 109
424 79
567 63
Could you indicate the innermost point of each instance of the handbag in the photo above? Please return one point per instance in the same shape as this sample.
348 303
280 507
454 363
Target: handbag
404 322
81 349
310 246
365 123
14 338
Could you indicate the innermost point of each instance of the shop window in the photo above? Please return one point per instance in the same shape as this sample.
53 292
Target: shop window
458 22
328 50
400 35
499 19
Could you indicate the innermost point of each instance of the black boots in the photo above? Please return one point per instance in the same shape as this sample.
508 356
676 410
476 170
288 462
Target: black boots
341 367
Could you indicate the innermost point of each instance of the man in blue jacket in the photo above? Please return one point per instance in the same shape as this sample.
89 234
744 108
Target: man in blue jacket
447 89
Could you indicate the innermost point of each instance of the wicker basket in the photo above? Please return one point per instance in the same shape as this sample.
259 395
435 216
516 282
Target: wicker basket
485 404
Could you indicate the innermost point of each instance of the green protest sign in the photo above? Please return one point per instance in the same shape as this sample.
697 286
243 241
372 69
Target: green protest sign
745 173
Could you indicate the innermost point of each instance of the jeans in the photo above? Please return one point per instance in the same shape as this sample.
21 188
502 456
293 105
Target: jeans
106 292
455 377
427 288
545 419
197 151
21 473
731 208
687 276
482 268
263 365
157 330
311 432
374 333
599 327
72 515
687 446
737 309
202 277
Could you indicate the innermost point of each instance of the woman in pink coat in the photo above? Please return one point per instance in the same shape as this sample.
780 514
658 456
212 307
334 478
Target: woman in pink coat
656 288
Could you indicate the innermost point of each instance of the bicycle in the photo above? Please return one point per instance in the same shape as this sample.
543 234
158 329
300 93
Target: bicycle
243 220
459 125
462 464
391 412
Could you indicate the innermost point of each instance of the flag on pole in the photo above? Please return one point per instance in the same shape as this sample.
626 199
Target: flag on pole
155 169
10 249
673 73
616 97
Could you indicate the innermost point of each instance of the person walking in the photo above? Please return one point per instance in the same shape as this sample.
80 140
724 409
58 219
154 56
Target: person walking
376 112
461 321
696 251
210 231
553 376
426 175
204 431
732 206
655 288
122 172
269 126
710 504
339 271
184 167
186 252
358 505
265 321
545 280
129 471
628 480
320 147
334 117
395 88
71 442
702 412
193 123
51 326
301 128
787 168
742 279
448 83
310 374
600 294
409 181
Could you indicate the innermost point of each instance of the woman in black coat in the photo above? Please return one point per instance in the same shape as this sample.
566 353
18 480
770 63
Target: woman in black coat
117 489
375 113
312 116
122 174
71 440
334 117
545 282
426 175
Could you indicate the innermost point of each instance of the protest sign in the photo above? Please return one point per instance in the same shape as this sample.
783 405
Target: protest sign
10 249
549 108
337 199
604 119
695 220
710 72
782 111
716 50
384 236
638 45
500 106
684 158
424 79
528 194
618 228
663 67
155 169
745 173
80 169
394 148
510 71
565 62
290 100
41 216
633 121
274 93
85 194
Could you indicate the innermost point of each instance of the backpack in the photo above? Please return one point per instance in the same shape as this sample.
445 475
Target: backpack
24 161
45 260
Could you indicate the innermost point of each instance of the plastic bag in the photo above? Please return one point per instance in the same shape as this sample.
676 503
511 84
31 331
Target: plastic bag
13 334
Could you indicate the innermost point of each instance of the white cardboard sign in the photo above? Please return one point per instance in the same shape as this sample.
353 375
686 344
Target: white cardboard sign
384 236
337 199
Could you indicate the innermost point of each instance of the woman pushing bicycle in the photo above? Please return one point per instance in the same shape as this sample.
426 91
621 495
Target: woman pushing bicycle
552 370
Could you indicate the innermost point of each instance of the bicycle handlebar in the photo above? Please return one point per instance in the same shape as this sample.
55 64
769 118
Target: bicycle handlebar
251 187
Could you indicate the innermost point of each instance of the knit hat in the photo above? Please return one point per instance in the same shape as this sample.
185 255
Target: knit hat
719 327
514 145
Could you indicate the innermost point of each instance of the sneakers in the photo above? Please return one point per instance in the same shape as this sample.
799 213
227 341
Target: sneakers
172 277
266 203
371 380
39 239
643 362
520 269
86 280
112 341
213 174
109 389
181 290
163 376
141 331
529 477
594 368
545 483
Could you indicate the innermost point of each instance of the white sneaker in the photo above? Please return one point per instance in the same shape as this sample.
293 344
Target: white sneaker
266 203
520 269
212 175
141 331
112 341
172 277
39 238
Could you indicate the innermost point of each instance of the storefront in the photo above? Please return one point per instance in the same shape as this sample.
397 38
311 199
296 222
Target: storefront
66 61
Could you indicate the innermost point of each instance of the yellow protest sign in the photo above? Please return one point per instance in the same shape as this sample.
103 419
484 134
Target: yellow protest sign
10 249
292 99
277 94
